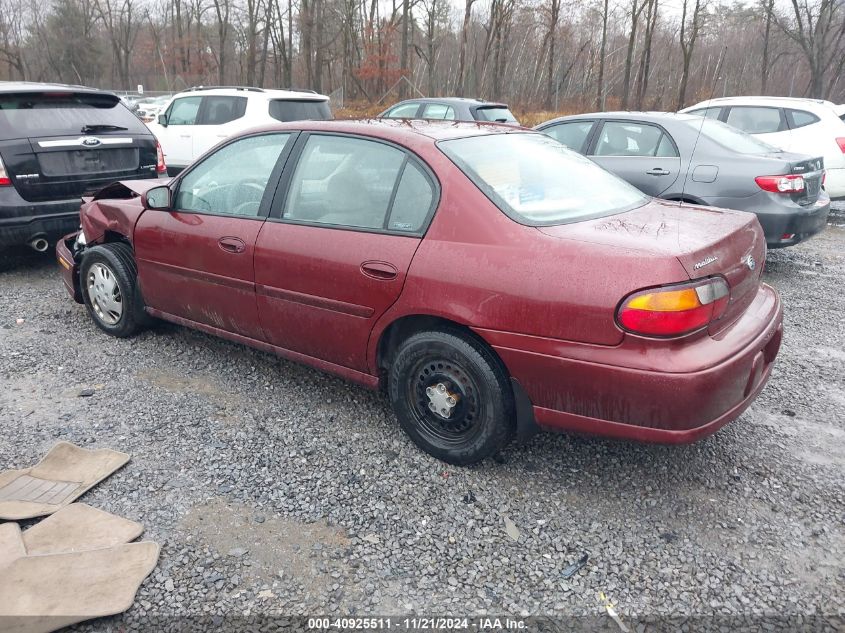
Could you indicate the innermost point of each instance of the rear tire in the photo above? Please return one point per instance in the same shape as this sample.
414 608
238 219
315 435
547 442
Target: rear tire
109 284
451 396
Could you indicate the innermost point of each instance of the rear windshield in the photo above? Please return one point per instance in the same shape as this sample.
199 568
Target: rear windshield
537 181
503 115
732 138
286 110
55 113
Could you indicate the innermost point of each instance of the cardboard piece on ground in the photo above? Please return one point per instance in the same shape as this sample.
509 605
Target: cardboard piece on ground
45 593
78 527
65 473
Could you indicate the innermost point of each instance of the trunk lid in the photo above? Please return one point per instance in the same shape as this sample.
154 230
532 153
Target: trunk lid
706 241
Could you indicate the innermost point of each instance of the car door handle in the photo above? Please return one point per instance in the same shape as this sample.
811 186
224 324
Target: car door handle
382 271
658 171
231 244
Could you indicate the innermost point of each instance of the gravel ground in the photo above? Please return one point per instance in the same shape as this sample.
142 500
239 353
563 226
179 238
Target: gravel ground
275 489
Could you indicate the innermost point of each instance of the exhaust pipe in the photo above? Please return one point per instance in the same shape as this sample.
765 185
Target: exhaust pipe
39 244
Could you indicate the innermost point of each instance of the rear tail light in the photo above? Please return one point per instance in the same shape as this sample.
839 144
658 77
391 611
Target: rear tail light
841 142
781 184
161 166
674 310
5 181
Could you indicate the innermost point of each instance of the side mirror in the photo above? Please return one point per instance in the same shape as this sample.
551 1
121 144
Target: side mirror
157 198
162 120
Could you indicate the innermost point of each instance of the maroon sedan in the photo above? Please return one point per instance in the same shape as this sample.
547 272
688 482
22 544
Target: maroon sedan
492 280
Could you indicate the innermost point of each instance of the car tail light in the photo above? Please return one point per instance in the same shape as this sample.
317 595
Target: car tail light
781 184
674 310
841 142
5 181
161 166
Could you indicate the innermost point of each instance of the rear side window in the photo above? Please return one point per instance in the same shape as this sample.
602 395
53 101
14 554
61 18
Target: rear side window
220 110
438 111
756 120
618 138
502 115
800 118
572 134
54 113
303 110
344 181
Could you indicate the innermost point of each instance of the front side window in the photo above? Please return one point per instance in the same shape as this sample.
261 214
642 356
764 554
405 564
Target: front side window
537 181
403 111
438 111
572 134
220 110
731 138
755 120
628 139
184 111
232 180
344 181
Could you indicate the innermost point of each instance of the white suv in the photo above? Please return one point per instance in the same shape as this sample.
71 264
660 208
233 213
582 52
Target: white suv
197 119
806 126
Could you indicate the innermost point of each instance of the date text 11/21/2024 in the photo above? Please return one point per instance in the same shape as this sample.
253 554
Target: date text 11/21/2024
416 624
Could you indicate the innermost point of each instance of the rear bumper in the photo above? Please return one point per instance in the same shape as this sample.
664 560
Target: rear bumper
654 391
69 267
21 221
834 183
779 215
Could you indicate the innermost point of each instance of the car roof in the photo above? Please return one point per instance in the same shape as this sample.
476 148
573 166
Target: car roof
653 117
399 130
33 86
793 102
457 101
270 93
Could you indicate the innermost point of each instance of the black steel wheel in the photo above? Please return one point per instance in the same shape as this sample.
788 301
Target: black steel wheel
451 396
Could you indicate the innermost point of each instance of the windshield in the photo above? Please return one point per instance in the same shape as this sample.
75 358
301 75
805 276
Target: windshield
537 181
286 110
495 114
54 113
732 138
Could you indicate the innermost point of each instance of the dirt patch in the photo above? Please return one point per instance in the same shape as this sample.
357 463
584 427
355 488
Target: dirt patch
300 550
176 383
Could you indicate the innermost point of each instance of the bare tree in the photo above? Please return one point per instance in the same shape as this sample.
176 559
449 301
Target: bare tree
687 37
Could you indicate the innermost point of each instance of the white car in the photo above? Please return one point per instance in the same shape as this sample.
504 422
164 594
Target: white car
806 126
197 119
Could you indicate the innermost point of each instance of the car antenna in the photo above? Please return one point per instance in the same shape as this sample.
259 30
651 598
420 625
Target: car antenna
703 119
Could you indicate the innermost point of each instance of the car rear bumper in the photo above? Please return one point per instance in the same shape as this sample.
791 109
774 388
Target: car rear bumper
780 216
68 266
668 392
22 221
834 183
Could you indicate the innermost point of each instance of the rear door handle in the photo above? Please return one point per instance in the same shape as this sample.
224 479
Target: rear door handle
232 244
658 171
379 270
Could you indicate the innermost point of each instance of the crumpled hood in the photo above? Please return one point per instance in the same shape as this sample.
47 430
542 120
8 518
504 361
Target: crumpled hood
124 189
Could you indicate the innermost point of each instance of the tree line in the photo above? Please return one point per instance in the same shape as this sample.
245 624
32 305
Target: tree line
541 54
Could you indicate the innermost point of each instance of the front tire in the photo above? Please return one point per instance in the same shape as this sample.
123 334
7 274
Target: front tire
109 280
451 396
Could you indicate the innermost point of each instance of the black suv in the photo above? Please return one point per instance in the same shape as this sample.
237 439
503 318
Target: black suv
57 144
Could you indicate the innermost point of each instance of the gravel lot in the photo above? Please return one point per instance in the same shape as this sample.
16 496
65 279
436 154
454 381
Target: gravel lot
275 489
